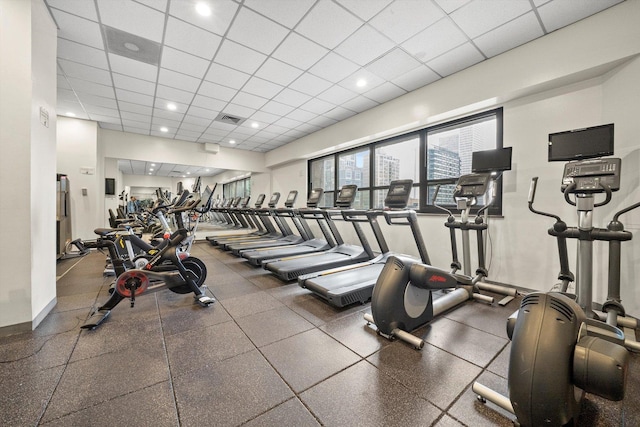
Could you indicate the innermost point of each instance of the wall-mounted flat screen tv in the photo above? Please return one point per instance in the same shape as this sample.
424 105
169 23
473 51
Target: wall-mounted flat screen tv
581 144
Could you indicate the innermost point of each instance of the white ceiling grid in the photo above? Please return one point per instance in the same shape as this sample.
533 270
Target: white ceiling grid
290 67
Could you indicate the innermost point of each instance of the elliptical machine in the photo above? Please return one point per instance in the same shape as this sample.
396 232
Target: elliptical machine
402 299
560 347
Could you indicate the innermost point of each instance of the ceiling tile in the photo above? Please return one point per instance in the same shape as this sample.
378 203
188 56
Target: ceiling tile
218 22
178 80
185 132
455 60
416 78
160 5
262 88
403 19
78 29
162 113
226 76
256 32
262 117
299 52
161 103
106 119
478 17
333 68
249 100
301 115
85 9
85 72
239 57
183 137
239 110
277 108
136 130
138 125
181 35
174 95
142 118
339 113
134 85
159 122
328 24
365 45
385 92
435 40
108 112
127 16
170 134
82 54
286 12
208 103
198 117
98 101
287 123
337 95
111 126
510 35
64 107
371 80
317 106
278 72
292 97
359 104
393 64
61 82
559 13
317 124
213 90
450 5
134 108
133 68
192 127
83 86
277 130
134 97
182 62
67 95
310 84
540 2
365 10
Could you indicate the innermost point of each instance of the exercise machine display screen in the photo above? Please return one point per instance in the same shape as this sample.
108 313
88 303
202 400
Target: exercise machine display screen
581 144
592 176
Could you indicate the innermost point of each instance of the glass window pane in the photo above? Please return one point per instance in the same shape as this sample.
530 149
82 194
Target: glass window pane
322 174
445 195
449 150
362 200
397 161
353 168
327 200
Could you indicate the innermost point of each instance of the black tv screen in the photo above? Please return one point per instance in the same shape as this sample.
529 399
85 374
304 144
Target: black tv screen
110 186
491 160
580 144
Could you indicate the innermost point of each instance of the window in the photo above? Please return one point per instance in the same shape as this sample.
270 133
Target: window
239 188
434 156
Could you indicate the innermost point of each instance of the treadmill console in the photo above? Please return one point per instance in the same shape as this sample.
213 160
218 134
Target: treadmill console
472 185
291 199
244 202
398 194
260 201
314 197
346 196
591 176
273 201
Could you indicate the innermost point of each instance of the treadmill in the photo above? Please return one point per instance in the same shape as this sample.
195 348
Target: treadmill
285 238
290 268
354 283
255 226
257 256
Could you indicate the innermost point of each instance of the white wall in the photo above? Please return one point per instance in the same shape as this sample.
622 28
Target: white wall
583 75
77 149
27 194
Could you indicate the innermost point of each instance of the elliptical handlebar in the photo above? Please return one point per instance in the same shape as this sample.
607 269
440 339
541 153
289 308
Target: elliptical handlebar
435 197
625 210
532 196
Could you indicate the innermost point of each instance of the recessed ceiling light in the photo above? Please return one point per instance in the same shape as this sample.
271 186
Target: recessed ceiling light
184 176
232 141
153 164
171 107
203 9
361 83
206 170
151 169
188 173
131 46
70 114
150 173
164 129
255 125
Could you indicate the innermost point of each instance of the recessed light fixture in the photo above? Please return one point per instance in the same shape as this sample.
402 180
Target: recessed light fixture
203 9
153 164
184 176
206 170
164 129
232 141
171 107
131 46
70 114
188 173
150 173
255 125
151 169
361 83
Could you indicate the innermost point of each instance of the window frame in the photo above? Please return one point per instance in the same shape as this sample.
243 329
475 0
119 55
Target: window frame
423 183
243 183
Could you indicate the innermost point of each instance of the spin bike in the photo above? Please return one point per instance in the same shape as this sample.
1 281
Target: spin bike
167 269
402 299
561 348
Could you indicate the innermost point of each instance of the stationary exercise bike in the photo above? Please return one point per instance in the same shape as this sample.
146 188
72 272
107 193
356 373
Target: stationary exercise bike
402 299
560 347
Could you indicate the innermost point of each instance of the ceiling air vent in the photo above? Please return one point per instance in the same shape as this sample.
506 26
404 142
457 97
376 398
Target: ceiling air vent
132 46
228 118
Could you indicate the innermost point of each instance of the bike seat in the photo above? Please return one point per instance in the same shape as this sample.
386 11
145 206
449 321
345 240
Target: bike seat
102 232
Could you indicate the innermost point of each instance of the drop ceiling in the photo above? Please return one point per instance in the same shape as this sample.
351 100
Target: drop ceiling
136 167
287 67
